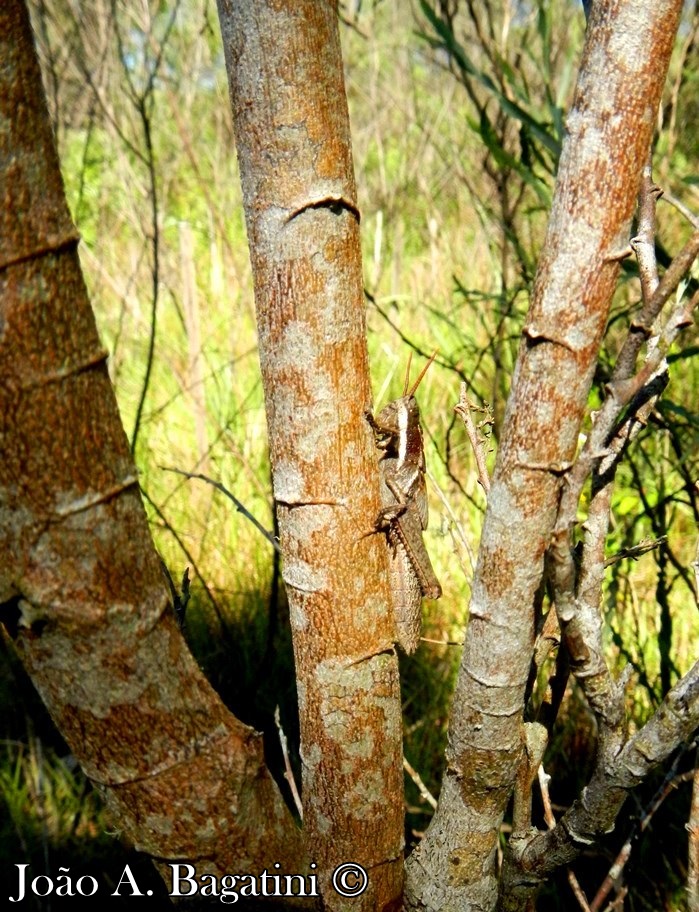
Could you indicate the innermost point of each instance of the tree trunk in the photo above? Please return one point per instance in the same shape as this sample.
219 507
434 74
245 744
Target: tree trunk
82 593
625 61
292 136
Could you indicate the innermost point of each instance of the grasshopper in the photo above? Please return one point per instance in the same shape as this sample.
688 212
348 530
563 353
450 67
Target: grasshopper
403 515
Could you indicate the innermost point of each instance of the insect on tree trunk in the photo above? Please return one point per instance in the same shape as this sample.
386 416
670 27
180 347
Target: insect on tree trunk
404 513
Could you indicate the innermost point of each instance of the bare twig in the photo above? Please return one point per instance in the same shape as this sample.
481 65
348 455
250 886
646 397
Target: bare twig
352 24
442 642
550 821
457 524
238 505
641 327
675 721
188 554
143 102
641 393
643 244
288 774
180 598
621 391
425 793
155 248
418 349
617 904
544 780
672 781
679 318
623 386
463 409
691 217
693 831
578 891
577 593
635 551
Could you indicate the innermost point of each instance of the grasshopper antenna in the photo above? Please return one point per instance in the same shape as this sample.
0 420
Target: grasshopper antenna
407 374
422 373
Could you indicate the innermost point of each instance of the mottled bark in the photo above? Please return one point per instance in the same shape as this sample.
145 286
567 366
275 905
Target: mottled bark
292 136
81 589
609 128
593 815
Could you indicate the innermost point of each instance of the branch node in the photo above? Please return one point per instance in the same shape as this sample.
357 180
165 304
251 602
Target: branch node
535 336
335 202
615 256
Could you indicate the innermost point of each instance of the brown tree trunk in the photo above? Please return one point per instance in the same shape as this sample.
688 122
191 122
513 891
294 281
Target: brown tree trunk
81 589
292 136
625 61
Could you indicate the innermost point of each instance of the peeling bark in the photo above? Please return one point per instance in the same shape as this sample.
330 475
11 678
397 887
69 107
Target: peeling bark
292 136
81 590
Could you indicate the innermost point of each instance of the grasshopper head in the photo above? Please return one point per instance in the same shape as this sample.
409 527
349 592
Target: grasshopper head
397 425
394 422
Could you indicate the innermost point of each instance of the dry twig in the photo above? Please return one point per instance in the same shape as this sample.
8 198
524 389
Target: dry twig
288 772
238 505
425 793
475 435
693 830
671 781
550 821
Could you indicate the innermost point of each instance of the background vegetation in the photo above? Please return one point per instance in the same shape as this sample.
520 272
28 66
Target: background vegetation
458 113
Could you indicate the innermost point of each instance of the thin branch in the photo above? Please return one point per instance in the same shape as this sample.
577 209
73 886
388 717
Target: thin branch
187 553
671 781
623 386
458 525
635 551
643 244
623 390
442 642
642 325
180 598
475 436
289 773
691 217
419 350
592 562
693 830
351 24
155 246
550 821
617 905
425 793
577 592
144 106
238 505
675 720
